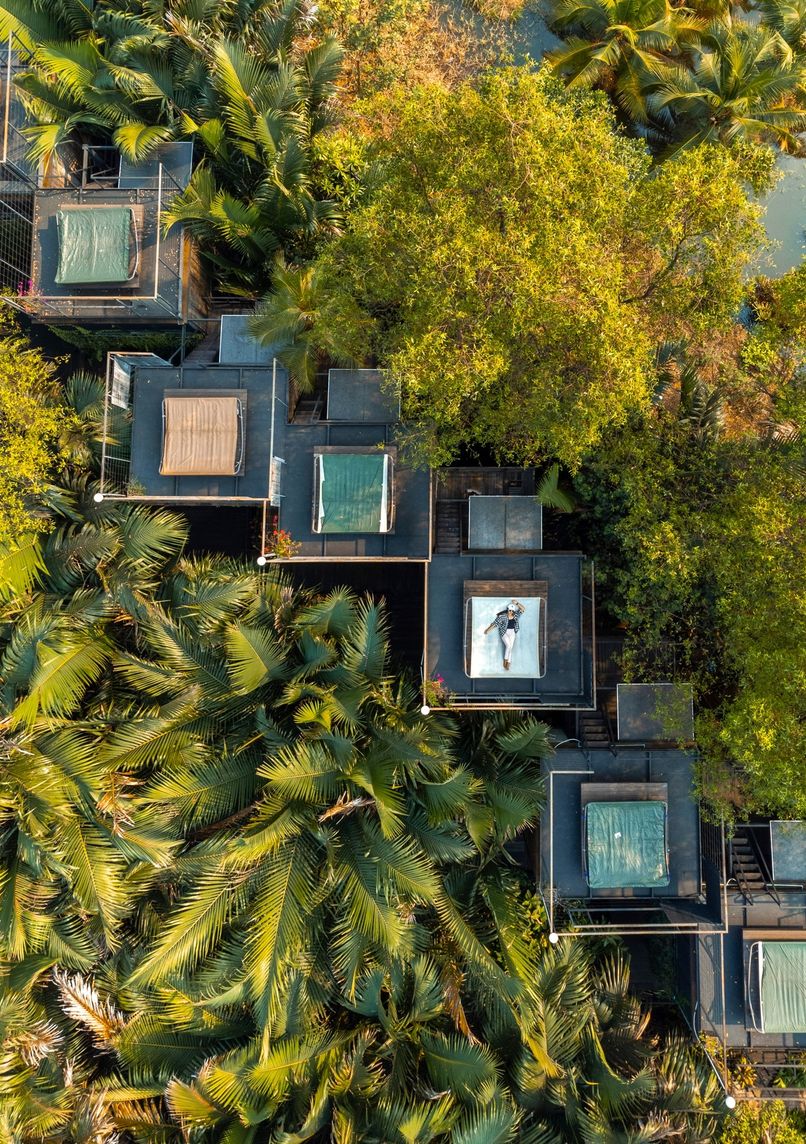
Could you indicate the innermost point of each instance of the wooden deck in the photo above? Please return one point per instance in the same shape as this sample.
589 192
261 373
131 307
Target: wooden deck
458 484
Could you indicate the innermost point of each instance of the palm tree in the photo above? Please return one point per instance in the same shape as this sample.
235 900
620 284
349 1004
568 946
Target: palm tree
700 406
274 893
357 795
253 195
60 597
576 1065
745 84
788 17
300 317
236 79
613 44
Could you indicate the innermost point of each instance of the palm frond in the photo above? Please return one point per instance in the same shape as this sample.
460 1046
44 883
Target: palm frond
549 493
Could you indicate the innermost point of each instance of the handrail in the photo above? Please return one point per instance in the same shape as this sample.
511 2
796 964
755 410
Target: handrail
542 606
609 724
135 232
769 884
738 874
759 946
241 439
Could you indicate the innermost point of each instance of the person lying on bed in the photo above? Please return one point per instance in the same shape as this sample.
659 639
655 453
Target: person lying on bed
508 622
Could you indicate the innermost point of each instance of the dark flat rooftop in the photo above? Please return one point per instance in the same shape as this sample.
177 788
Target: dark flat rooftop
361 395
561 826
148 388
722 961
410 539
160 264
649 712
568 677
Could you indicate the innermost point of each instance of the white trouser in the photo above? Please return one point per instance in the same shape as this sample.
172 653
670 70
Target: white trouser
508 640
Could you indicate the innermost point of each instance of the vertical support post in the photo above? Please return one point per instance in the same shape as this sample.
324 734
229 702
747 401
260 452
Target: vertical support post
159 234
107 395
7 108
273 414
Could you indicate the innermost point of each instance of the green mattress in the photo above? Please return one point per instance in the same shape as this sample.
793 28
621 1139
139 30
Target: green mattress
352 492
783 986
626 845
95 245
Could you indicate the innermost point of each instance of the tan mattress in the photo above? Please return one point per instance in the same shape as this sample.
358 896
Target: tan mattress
200 436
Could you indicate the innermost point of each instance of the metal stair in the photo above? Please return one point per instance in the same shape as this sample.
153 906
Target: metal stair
308 410
745 866
206 352
449 527
593 731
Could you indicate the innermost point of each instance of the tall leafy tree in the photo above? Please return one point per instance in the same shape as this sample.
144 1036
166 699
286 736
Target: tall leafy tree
513 280
34 422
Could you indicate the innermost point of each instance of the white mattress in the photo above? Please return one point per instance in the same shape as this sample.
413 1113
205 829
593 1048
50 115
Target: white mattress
487 651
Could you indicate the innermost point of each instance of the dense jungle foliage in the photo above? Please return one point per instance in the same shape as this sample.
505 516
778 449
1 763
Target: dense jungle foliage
248 892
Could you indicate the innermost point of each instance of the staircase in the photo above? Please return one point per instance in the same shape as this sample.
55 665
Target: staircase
449 527
593 731
308 409
206 352
745 866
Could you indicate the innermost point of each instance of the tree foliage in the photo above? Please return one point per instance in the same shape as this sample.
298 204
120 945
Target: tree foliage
514 280
246 887
33 417
695 513
766 1123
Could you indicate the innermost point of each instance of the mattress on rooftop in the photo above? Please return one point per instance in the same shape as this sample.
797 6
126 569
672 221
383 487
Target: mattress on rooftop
626 845
200 436
782 966
353 492
97 245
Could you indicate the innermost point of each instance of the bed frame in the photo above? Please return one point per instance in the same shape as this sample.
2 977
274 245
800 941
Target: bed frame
755 957
136 220
389 455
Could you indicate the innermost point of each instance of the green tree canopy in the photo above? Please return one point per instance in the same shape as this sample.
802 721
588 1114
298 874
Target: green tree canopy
32 418
247 889
695 514
764 1123
516 257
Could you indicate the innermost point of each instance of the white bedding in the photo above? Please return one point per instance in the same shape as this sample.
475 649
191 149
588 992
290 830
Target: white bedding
487 651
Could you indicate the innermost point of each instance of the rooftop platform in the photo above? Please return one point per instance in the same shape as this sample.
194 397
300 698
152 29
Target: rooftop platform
251 385
563 581
410 536
361 419
770 907
691 900
654 713
361 396
722 966
162 282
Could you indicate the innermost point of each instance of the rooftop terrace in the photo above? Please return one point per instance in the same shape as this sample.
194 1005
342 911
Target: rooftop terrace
688 897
